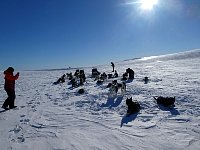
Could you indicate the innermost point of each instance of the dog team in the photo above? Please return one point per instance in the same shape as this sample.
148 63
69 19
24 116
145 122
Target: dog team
78 79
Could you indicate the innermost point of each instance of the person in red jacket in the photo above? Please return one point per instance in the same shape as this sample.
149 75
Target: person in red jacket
9 87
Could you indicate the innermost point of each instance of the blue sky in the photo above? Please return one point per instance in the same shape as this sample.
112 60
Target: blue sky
39 34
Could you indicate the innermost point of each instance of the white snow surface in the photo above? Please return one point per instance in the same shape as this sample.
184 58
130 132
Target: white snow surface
56 117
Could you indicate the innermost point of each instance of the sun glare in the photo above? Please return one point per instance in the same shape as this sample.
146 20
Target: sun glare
148 4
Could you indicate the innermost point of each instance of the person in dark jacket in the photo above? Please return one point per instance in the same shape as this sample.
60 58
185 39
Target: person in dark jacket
9 87
113 66
131 73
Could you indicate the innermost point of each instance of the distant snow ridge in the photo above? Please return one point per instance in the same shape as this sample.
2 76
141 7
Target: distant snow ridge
176 56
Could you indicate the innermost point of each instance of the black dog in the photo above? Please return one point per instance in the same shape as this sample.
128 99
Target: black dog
81 91
133 107
60 80
165 101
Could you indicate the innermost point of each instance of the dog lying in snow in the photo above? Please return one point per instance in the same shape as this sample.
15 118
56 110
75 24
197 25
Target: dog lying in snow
165 101
133 107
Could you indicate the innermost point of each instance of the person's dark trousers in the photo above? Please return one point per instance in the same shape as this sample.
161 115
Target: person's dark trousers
10 100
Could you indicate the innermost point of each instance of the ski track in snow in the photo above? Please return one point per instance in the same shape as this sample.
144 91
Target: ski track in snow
56 117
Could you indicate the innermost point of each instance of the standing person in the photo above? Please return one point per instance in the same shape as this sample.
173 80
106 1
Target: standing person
9 87
113 66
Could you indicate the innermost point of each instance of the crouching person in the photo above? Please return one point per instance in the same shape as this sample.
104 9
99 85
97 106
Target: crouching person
9 87
131 73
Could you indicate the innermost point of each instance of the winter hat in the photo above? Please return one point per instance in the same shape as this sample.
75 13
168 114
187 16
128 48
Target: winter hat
10 69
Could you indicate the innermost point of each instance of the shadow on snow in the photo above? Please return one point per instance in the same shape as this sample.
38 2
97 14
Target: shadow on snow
113 102
173 110
127 119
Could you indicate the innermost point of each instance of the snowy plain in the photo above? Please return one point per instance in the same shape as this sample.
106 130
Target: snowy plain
56 117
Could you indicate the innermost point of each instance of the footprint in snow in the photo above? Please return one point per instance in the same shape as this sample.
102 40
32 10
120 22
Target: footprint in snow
16 135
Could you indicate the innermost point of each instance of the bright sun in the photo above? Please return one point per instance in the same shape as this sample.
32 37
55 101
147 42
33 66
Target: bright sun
147 4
